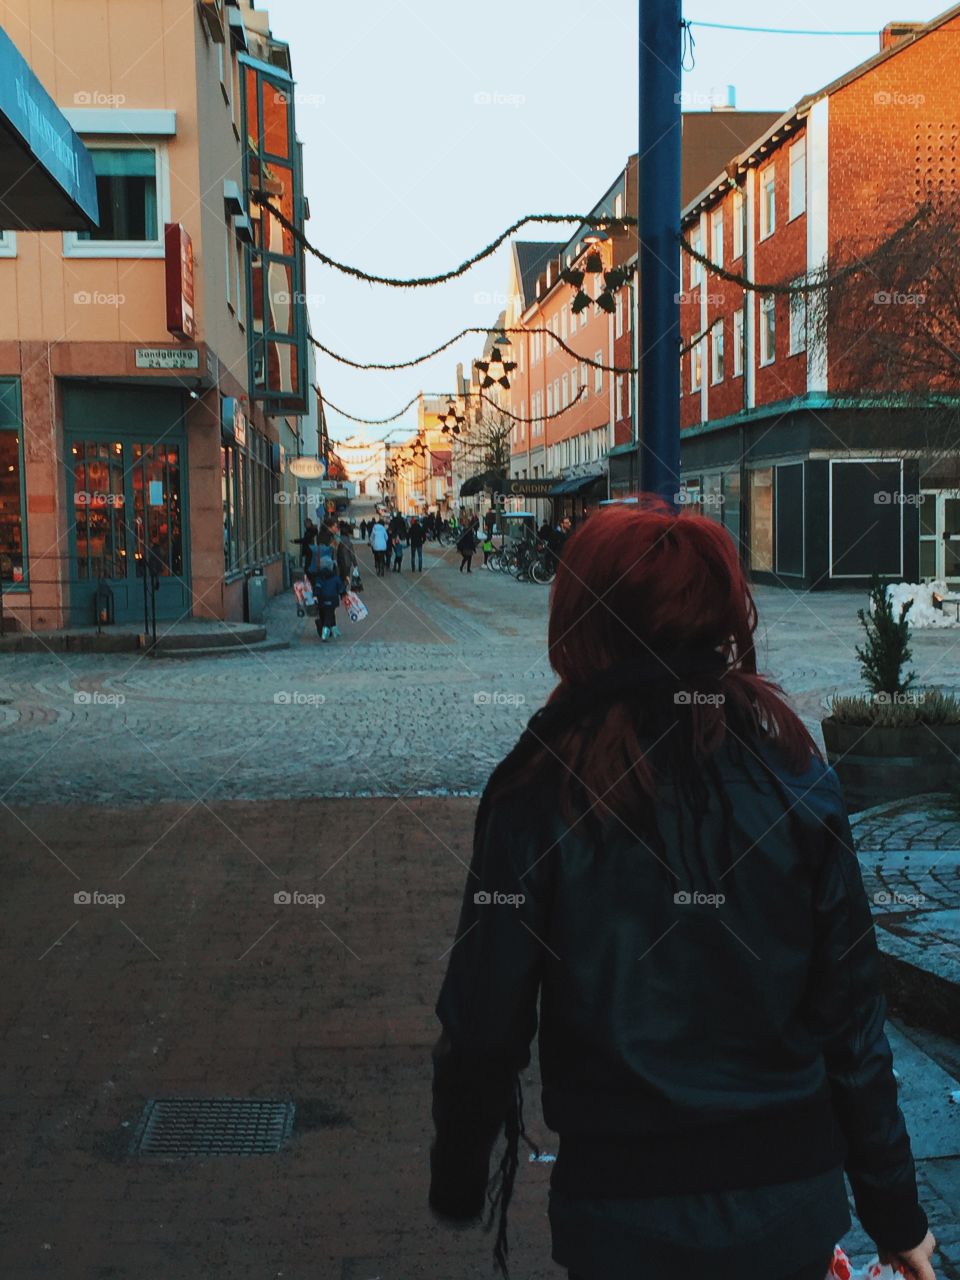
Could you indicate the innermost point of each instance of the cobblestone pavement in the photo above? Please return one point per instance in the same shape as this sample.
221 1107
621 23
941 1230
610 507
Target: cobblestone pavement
422 698
201 984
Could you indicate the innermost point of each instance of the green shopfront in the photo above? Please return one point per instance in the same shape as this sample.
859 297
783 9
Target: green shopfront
127 504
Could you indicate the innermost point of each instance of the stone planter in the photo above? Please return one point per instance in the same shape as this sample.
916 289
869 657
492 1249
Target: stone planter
875 763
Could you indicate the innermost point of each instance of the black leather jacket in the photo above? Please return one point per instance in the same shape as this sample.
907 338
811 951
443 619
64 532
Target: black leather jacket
697 1032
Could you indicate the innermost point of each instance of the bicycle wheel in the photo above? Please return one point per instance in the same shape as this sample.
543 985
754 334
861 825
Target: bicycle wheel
542 572
495 562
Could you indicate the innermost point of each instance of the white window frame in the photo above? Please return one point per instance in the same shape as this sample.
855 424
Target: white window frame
738 320
716 366
798 178
737 245
696 268
768 306
628 383
574 384
563 322
768 182
585 380
618 321
598 375
798 309
76 248
8 244
696 366
618 400
716 236
584 316
549 399
565 391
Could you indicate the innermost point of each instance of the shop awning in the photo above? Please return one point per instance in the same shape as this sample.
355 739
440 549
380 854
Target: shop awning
47 181
485 480
577 485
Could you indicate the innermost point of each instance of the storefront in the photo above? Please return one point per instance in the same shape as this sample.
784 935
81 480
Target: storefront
127 503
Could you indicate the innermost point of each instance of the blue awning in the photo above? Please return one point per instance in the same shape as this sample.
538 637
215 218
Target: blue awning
47 181
576 485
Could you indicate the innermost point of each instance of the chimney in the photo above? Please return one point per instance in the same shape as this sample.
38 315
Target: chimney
894 32
724 99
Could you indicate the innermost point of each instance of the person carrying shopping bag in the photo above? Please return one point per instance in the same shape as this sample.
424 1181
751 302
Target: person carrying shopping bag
328 590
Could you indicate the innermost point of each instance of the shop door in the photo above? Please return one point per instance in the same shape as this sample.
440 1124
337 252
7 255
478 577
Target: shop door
127 504
940 535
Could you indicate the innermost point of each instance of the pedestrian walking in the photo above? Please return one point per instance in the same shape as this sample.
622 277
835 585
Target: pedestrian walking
328 589
398 544
418 536
304 542
691 920
363 530
467 545
378 544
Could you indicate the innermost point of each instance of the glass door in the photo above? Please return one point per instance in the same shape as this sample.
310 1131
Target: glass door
128 522
940 535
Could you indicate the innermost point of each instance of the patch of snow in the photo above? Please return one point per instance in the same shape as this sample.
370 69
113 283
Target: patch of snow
923 614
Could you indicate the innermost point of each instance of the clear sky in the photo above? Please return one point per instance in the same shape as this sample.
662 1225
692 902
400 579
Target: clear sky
429 126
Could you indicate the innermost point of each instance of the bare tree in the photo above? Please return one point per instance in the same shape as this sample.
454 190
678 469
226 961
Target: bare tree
485 442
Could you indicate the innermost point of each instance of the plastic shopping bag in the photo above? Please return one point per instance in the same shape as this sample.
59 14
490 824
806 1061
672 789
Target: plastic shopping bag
840 1269
356 609
304 594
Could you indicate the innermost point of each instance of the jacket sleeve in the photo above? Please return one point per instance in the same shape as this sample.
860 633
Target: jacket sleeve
848 1010
488 1009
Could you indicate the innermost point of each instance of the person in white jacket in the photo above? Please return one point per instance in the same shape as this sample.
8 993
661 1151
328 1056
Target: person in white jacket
379 542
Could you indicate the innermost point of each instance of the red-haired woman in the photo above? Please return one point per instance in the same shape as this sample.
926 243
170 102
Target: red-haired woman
665 862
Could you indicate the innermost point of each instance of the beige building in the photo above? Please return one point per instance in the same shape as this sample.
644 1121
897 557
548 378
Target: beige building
154 373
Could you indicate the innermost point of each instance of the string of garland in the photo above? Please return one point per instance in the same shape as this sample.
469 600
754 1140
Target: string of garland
382 422
421 282
816 281
410 364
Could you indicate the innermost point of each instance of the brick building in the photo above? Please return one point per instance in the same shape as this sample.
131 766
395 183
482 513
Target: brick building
821 485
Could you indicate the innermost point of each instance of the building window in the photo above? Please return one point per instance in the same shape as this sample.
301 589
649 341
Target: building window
716 236
738 343
618 399
739 224
550 401
696 366
8 244
761 519
598 374
768 202
574 384
768 328
584 316
628 384
798 322
716 352
585 380
129 192
12 567
798 177
565 382
563 322
618 323
696 268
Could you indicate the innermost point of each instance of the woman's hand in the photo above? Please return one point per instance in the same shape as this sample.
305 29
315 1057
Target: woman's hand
915 1263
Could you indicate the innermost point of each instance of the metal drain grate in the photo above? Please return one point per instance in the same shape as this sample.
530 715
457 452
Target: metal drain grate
181 1128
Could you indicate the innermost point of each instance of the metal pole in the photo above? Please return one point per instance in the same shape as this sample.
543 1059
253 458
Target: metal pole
658 200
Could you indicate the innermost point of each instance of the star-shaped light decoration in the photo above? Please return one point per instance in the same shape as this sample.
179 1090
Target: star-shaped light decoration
451 421
496 370
612 281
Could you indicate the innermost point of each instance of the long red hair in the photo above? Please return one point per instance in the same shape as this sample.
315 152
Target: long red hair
643 582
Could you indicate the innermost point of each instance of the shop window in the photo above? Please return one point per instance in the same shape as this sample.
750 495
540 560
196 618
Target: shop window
789 519
12 566
866 518
129 192
730 490
761 520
